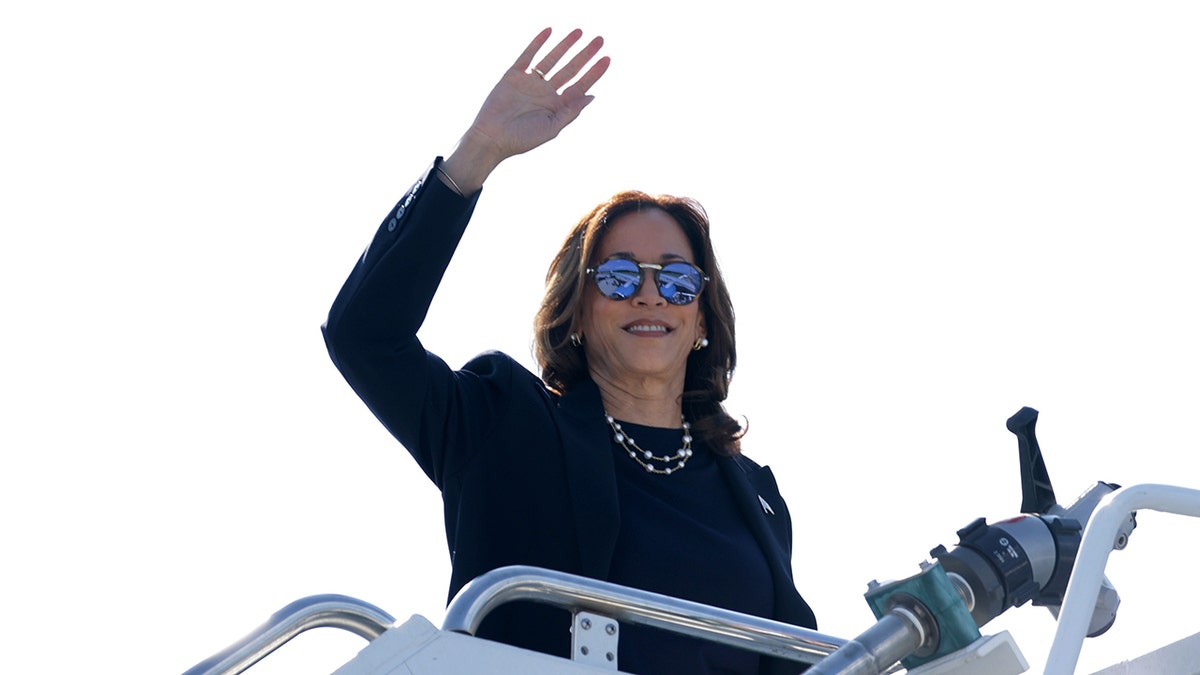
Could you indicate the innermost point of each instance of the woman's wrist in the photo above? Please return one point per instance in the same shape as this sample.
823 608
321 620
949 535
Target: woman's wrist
469 164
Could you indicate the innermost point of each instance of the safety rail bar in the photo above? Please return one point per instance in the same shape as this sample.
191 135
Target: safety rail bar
568 591
773 638
1097 544
317 611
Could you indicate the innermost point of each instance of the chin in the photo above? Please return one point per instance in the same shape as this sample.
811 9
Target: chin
644 367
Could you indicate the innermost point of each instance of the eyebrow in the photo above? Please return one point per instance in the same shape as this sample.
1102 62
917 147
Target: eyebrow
630 256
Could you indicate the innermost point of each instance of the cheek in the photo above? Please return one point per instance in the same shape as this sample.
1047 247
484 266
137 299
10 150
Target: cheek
594 316
587 315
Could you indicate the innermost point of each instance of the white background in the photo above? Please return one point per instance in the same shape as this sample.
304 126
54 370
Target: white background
930 214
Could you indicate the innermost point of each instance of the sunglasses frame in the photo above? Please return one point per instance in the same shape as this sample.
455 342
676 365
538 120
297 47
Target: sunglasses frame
658 269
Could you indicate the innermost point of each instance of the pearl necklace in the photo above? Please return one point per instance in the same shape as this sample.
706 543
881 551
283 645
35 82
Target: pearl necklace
647 458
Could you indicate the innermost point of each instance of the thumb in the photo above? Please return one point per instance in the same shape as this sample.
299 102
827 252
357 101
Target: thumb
576 106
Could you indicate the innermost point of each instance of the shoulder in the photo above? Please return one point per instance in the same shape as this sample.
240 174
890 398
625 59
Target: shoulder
759 476
744 463
495 363
504 369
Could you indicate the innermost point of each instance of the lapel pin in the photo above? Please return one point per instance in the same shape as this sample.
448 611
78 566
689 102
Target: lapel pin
766 507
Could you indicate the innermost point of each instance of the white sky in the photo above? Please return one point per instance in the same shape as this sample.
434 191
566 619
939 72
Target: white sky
930 214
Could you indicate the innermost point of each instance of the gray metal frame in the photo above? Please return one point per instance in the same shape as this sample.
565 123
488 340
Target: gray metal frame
629 605
316 611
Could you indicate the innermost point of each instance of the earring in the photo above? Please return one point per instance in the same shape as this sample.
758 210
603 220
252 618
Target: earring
576 339
701 343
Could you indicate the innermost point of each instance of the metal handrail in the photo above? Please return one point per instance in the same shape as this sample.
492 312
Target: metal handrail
567 591
317 611
1106 521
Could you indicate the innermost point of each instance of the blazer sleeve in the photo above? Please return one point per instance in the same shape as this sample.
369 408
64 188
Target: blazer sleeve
438 414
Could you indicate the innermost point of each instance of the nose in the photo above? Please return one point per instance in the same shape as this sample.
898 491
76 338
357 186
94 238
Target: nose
647 294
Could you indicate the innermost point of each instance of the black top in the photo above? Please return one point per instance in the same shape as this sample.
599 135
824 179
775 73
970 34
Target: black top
683 535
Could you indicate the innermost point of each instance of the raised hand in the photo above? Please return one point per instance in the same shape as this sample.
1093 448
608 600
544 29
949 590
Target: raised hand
526 107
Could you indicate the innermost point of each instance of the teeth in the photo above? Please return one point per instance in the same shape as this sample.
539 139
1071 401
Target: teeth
647 329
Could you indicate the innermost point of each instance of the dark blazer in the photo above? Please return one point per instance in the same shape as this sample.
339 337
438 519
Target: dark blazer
526 475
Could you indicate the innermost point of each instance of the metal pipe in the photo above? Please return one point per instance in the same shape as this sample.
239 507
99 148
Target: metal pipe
567 591
1097 544
317 611
896 635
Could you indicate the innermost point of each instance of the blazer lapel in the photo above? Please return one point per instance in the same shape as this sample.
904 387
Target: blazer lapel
757 495
755 492
591 476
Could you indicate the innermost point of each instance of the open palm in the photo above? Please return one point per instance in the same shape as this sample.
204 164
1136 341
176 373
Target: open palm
526 107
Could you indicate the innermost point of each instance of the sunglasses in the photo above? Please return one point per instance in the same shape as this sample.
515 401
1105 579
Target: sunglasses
620 278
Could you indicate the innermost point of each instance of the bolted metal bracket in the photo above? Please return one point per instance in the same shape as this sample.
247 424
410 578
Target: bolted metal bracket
594 640
930 600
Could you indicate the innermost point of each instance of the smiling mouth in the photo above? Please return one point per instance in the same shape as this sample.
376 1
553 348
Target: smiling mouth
648 330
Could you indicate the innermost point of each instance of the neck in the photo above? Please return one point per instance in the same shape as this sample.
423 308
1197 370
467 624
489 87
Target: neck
647 403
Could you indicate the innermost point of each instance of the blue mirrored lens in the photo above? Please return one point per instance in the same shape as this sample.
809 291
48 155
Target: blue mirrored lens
618 279
679 283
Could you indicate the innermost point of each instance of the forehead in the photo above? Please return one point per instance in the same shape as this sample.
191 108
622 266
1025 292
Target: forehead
646 235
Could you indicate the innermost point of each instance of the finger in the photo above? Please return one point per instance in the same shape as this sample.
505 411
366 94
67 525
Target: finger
569 71
526 57
548 61
588 79
574 107
576 97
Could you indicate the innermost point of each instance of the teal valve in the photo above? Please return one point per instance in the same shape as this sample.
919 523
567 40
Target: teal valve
931 599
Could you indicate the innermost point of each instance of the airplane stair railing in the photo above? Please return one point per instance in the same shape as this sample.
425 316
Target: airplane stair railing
591 602
316 611
588 599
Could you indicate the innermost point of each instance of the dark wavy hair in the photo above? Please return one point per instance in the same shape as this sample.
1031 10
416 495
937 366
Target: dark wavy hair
709 370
